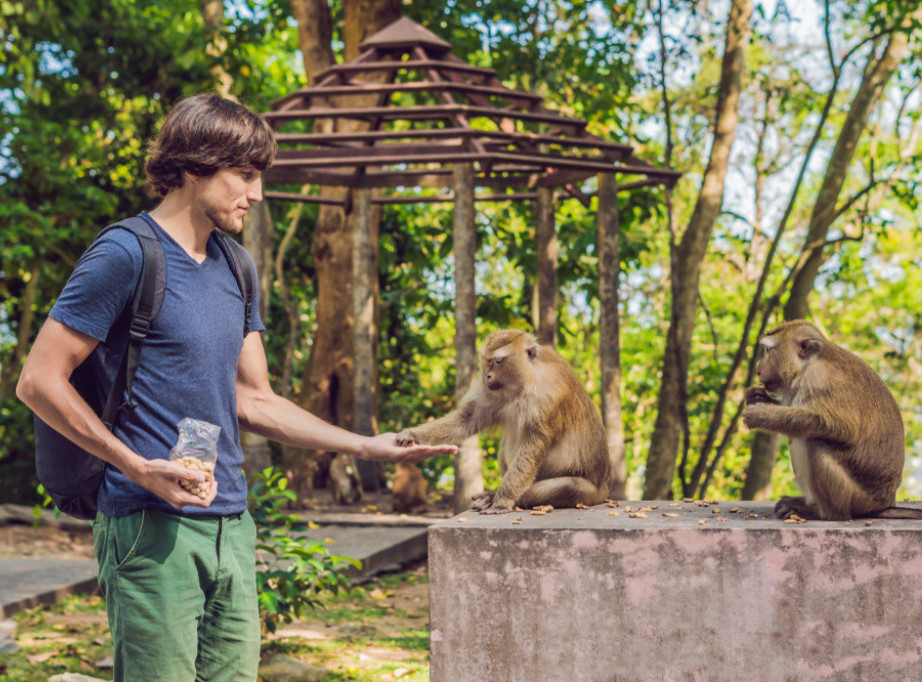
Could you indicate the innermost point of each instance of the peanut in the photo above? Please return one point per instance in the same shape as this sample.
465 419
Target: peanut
196 464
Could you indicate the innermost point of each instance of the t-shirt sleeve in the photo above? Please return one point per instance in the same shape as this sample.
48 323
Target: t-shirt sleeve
100 287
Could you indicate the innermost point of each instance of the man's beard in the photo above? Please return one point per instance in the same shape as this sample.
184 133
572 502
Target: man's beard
223 222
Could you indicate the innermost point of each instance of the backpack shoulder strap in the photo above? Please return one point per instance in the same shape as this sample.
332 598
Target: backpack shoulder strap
145 305
242 267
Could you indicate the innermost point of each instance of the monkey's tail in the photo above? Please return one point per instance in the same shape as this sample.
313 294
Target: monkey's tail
900 513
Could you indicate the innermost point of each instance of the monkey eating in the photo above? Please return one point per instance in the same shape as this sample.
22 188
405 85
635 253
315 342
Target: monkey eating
844 428
553 449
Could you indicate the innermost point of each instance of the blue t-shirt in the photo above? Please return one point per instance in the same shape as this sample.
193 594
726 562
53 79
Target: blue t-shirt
188 363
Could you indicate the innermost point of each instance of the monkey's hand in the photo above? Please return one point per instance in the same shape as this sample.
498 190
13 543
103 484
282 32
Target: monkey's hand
407 438
481 501
498 504
758 394
496 509
795 506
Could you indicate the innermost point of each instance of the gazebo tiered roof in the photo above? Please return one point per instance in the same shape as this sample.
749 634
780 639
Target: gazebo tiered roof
417 110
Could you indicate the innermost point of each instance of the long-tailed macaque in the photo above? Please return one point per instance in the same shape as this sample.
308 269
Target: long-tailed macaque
843 426
409 489
553 450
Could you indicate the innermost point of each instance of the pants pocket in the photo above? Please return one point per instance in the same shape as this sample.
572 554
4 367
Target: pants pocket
128 536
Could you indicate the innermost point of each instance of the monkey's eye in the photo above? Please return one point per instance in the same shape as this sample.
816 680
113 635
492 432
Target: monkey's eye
498 361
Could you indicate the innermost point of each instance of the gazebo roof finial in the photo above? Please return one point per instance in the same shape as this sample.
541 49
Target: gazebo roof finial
404 33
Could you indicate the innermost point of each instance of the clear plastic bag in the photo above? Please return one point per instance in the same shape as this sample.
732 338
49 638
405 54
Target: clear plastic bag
197 449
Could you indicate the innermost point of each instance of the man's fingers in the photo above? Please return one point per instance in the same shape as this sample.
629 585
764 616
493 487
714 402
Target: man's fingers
189 475
182 498
417 453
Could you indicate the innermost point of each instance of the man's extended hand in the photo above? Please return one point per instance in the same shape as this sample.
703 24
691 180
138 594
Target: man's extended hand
385 448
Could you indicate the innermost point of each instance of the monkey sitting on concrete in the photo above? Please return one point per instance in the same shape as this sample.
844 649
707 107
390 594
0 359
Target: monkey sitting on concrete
553 450
844 428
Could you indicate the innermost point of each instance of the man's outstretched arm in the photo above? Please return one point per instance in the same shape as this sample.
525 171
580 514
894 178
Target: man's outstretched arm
262 411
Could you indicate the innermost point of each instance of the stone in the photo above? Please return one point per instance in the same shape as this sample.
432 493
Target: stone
711 591
279 668
8 630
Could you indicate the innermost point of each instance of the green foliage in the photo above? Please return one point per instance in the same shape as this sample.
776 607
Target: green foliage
292 574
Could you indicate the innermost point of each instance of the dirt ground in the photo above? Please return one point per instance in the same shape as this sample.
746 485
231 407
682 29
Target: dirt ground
18 540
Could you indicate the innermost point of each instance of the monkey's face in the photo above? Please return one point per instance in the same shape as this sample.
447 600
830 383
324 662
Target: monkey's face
493 371
768 369
786 355
507 359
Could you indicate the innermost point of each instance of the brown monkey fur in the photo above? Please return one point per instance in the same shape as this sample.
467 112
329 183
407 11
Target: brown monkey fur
409 489
553 450
844 428
345 483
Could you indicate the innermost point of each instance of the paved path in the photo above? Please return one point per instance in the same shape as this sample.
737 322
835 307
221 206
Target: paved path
382 542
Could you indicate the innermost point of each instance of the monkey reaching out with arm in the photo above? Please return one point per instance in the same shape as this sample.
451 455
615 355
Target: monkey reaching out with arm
553 450
844 428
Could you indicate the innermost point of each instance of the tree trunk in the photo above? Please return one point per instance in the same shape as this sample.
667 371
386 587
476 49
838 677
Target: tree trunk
671 419
328 386
610 329
546 238
468 461
875 78
765 446
23 334
213 15
257 239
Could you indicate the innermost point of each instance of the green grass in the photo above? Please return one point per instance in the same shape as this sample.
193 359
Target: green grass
71 636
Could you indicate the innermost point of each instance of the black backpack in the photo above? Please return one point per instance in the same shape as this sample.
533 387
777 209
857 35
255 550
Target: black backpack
70 475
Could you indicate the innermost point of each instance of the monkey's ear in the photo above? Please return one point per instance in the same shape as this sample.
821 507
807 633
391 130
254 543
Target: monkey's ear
531 351
807 347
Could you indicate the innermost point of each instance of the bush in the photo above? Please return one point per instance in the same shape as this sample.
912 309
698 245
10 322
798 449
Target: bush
291 573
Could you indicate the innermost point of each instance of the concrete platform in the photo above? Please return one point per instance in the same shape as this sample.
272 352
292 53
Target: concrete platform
709 592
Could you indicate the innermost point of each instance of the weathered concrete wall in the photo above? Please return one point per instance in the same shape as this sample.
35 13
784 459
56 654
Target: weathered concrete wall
585 596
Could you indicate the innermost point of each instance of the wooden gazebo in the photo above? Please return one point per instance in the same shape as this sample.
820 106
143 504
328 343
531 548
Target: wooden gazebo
421 125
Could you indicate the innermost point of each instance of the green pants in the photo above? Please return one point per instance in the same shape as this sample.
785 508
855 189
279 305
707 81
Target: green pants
180 595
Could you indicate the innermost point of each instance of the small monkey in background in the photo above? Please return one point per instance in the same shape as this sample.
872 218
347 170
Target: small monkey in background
553 450
844 428
409 489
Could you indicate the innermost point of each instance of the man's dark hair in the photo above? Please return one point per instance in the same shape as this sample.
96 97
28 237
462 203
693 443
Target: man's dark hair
202 134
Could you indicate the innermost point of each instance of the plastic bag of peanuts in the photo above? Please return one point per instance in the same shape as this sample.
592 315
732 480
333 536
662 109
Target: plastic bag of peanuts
197 449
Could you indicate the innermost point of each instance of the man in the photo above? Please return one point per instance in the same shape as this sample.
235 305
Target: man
177 570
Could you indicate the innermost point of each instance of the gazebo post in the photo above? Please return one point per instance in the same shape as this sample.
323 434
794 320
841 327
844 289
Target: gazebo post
364 295
546 236
364 285
468 465
610 328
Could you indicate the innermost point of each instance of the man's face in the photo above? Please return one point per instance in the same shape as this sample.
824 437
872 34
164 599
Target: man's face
225 196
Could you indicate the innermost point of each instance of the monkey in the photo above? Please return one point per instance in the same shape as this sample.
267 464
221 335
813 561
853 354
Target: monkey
345 483
409 489
553 450
844 428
